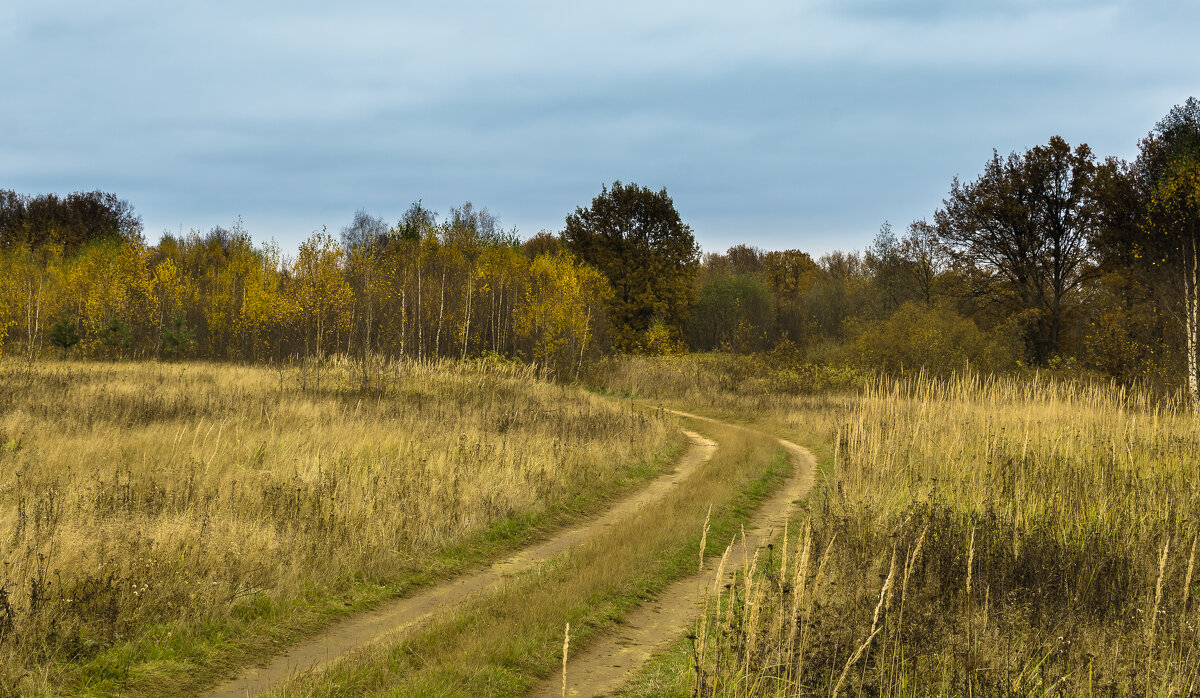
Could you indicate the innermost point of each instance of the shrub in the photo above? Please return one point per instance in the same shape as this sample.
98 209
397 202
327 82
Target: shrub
935 338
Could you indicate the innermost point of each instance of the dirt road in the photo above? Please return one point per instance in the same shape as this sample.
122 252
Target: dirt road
405 613
603 667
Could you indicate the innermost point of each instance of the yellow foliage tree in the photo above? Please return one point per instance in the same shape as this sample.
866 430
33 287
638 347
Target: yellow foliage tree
266 310
500 272
112 281
324 298
8 276
563 299
1173 227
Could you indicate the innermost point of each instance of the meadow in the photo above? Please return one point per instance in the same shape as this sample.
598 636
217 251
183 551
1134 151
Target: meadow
968 536
162 523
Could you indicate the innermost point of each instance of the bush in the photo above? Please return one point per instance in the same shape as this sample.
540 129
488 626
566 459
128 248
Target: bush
935 338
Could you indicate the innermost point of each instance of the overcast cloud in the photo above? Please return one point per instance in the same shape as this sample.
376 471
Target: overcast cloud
780 124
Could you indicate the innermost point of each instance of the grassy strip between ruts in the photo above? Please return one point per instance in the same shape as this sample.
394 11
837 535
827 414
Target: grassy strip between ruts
502 642
671 673
168 661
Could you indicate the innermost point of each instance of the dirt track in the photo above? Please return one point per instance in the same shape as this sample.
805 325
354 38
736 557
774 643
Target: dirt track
405 613
604 666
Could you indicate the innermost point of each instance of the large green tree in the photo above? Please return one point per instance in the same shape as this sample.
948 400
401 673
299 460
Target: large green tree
71 221
735 311
636 238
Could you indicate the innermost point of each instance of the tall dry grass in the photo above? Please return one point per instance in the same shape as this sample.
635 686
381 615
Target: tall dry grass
499 642
988 536
140 503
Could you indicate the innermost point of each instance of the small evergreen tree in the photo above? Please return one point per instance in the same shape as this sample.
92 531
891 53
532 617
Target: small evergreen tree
64 335
117 336
178 338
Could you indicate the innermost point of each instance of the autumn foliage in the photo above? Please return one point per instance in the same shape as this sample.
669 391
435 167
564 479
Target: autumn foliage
438 290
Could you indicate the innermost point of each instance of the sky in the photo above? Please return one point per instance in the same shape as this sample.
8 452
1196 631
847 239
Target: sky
802 124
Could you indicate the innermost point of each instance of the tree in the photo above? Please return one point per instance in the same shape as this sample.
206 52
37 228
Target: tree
1021 231
267 312
1169 168
557 320
71 221
325 299
364 240
735 311
9 295
178 339
790 273
544 242
117 336
636 238
925 259
64 334
364 231
887 268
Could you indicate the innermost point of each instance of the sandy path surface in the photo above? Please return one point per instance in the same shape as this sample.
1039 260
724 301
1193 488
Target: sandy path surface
403 614
602 668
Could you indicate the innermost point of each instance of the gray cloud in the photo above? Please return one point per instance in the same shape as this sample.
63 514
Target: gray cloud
780 124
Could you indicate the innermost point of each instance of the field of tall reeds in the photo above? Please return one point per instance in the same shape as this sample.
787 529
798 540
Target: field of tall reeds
161 521
967 536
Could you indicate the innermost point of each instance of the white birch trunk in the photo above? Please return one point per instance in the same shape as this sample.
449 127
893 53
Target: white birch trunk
1192 301
467 324
437 342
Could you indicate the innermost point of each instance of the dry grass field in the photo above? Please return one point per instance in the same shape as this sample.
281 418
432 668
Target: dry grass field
160 523
1005 536
499 642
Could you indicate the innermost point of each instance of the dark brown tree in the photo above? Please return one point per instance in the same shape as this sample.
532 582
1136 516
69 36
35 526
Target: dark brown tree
544 242
71 221
1021 233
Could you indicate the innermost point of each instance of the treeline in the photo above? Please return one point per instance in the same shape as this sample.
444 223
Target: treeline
1050 258
422 288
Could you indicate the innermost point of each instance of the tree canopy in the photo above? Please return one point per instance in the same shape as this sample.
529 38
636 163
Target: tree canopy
71 221
636 238
1021 233
1046 258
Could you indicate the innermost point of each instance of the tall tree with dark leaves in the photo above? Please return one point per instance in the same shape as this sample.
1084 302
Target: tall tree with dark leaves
71 221
1021 231
636 238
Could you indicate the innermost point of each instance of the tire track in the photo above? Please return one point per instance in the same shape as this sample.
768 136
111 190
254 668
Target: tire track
603 667
405 613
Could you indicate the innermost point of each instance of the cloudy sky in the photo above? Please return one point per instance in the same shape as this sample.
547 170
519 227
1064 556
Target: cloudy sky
780 124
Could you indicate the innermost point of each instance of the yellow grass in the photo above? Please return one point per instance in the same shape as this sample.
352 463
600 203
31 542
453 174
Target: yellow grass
1010 535
496 643
142 503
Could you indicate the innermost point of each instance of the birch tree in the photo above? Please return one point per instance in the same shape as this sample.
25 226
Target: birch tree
1169 165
